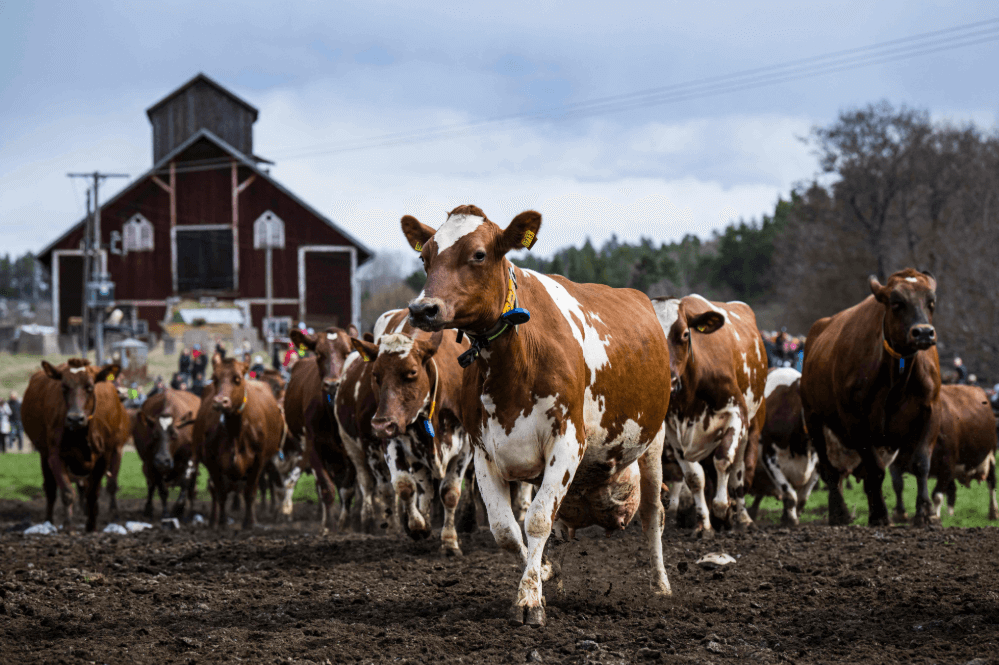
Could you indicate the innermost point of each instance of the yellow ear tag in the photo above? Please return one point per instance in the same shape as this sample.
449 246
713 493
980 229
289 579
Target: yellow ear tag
419 247
701 329
110 377
528 239
364 357
511 296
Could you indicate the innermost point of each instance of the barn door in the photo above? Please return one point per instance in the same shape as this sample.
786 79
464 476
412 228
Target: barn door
70 290
327 290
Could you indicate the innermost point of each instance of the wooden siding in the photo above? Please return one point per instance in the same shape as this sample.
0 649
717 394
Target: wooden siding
197 106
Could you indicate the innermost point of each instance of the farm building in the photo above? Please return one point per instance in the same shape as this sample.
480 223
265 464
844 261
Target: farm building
186 228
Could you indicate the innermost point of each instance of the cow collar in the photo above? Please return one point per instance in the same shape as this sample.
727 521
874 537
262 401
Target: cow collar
511 317
899 361
243 405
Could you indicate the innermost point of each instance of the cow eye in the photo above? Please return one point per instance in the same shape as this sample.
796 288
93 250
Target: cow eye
90 389
479 256
411 375
896 306
932 305
685 336
236 380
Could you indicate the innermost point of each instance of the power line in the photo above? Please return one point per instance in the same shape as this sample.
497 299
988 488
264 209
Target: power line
914 46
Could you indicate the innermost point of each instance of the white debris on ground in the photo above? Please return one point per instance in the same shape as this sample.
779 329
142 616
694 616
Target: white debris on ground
198 519
43 529
116 529
134 527
714 560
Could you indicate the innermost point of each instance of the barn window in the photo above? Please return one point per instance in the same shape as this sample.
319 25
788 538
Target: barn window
137 234
268 231
204 259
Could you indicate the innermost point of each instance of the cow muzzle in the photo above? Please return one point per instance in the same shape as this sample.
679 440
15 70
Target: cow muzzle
922 336
426 314
384 428
163 463
222 403
76 420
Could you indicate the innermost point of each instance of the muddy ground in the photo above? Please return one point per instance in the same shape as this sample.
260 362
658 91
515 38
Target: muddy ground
284 594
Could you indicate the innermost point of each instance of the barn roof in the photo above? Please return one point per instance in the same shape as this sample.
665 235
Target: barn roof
202 78
364 252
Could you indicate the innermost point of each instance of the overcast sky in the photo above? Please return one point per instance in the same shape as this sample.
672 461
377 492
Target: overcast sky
76 78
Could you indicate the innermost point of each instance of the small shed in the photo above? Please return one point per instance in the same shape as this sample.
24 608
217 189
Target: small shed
133 356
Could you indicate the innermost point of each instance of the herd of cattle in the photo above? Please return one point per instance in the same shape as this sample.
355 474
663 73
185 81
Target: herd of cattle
506 381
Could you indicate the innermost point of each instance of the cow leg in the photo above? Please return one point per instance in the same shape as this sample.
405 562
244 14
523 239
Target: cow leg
874 478
939 491
451 496
839 514
650 510
188 485
693 475
742 472
67 491
898 484
724 458
249 495
365 481
754 510
558 545
921 468
112 474
327 490
51 486
93 487
951 497
151 484
522 493
164 491
290 482
806 490
404 485
991 480
784 488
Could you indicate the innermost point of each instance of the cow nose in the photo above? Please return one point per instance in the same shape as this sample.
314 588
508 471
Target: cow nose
328 385
75 420
923 336
222 402
163 463
384 427
423 311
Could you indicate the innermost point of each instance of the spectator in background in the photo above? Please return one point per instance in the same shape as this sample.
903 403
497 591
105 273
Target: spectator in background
247 351
962 371
4 426
16 430
184 364
220 348
199 362
972 380
199 384
257 369
158 386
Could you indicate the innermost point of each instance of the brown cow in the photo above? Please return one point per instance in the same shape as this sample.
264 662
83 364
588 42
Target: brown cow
718 373
239 429
870 386
162 433
787 457
965 450
574 400
309 414
417 383
74 417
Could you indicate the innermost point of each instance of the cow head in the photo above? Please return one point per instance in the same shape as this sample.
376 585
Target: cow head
909 299
165 429
401 378
681 328
465 262
331 346
78 380
229 376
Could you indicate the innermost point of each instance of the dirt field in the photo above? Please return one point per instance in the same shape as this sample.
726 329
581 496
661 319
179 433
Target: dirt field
815 594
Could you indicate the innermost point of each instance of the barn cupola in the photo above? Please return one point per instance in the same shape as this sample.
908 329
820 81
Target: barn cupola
201 103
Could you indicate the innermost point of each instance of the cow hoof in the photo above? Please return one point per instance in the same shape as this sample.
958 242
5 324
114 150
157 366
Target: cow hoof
993 514
448 551
789 522
515 617
704 533
745 526
535 616
880 521
900 517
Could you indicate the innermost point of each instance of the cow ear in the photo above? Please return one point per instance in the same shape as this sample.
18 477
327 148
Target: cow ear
706 323
880 292
303 339
933 280
367 350
417 234
429 346
369 337
353 331
522 231
51 371
107 373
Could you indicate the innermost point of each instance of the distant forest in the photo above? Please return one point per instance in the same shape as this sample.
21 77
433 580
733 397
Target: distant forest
904 191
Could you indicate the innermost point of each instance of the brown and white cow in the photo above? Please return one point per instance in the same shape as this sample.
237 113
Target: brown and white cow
965 450
73 416
309 414
718 373
162 432
788 460
417 383
574 399
239 428
870 386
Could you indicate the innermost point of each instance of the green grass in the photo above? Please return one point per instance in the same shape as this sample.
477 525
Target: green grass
971 509
21 479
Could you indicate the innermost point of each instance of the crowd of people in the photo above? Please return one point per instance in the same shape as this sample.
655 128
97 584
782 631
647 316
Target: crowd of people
11 432
784 350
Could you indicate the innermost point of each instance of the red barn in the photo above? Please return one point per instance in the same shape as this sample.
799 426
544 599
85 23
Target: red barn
185 228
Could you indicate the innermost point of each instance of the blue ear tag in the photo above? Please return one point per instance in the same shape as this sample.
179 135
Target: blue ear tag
516 316
901 365
428 427
329 398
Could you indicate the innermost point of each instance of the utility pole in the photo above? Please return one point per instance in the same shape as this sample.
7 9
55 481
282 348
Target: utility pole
93 244
85 325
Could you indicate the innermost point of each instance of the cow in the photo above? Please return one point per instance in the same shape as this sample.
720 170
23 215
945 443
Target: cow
786 455
417 383
965 450
162 433
239 428
309 413
564 386
870 386
718 374
78 425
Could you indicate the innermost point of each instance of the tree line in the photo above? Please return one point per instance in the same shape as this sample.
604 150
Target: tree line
18 279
